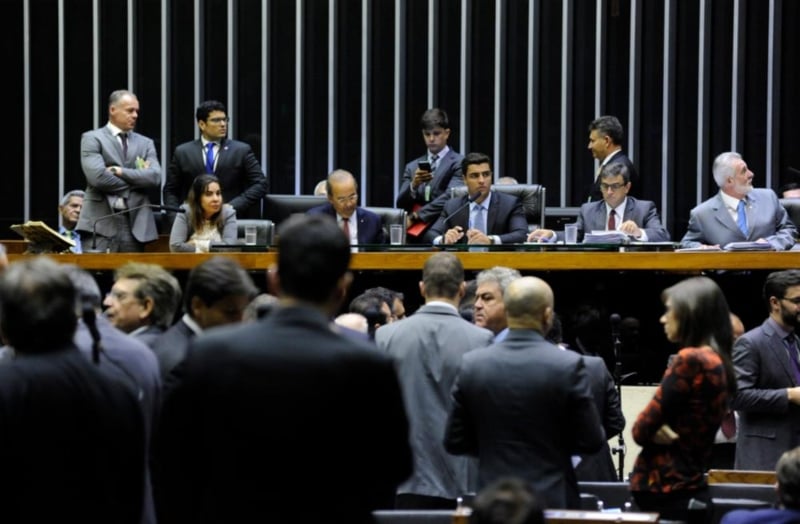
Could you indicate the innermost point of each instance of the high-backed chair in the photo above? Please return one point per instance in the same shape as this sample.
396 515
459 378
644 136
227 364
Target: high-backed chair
389 216
280 207
532 197
792 207
264 230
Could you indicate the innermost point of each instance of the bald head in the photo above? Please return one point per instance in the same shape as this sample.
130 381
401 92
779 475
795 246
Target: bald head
529 304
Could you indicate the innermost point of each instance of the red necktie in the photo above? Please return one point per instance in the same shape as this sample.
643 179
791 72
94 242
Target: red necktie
346 228
728 424
612 222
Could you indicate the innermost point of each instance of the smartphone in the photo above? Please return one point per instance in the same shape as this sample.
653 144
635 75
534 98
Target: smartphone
424 165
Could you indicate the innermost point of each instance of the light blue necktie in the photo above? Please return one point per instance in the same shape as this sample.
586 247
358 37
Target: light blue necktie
742 219
479 222
210 157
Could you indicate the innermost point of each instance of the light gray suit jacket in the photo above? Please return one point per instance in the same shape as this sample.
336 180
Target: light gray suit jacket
768 423
592 217
101 149
427 348
711 223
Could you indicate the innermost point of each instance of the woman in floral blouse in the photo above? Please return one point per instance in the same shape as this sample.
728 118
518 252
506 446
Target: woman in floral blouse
676 429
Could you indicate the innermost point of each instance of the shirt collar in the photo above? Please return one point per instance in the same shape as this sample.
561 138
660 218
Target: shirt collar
731 202
485 203
620 209
114 129
194 326
440 155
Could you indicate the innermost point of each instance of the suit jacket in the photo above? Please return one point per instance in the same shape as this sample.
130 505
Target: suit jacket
524 407
505 218
370 225
599 466
182 230
621 158
446 175
265 408
427 348
592 216
711 223
768 423
239 173
170 348
72 445
762 516
101 149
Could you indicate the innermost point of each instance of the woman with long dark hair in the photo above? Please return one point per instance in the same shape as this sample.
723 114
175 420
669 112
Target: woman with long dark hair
676 429
205 218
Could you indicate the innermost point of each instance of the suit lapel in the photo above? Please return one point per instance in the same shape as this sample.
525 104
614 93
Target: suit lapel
724 218
115 145
491 218
599 217
779 353
361 225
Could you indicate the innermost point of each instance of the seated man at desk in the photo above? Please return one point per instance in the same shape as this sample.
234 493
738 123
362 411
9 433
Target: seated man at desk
360 226
616 212
481 216
738 213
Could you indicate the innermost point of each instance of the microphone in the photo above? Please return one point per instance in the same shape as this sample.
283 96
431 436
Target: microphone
122 212
614 319
471 199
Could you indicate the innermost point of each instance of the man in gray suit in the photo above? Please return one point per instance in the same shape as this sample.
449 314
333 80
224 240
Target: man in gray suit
120 166
738 213
768 378
427 348
523 406
616 211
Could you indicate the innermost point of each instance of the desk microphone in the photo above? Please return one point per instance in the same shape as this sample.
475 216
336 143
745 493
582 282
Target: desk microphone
614 319
122 212
471 199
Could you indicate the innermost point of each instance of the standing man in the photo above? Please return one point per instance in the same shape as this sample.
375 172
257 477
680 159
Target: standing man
605 143
120 166
523 406
739 213
427 180
360 226
269 410
481 216
489 310
615 212
768 378
70 210
427 348
235 165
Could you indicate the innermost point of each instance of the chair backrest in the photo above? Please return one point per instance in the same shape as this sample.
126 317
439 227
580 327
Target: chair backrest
389 216
428 516
792 207
280 207
264 230
532 197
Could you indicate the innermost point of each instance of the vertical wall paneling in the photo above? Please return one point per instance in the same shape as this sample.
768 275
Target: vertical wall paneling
634 83
498 121
265 95
166 144
298 101
398 96
26 75
736 50
331 120
232 70
668 94
599 33
531 173
197 59
433 50
702 83
566 95
365 85
60 91
773 98
96 96
464 73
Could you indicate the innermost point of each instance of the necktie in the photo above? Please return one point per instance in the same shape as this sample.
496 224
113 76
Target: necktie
728 424
791 348
479 222
742 218
124 138
210 157
68 234
612 221
434 160
346 228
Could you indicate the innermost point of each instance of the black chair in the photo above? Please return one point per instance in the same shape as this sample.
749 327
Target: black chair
397 516
278 208
792 207
389 216
532 197
264 230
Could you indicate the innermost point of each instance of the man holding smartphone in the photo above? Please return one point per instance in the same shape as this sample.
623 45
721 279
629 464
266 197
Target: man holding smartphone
427 180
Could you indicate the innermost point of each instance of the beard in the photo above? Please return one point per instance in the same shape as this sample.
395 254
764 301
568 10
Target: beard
789 319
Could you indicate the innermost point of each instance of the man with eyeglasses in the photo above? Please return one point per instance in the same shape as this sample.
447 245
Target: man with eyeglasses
615 212
360 225
482 216
241 178
767 366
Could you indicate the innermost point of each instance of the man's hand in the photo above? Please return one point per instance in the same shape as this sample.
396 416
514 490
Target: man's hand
541 235
453 235
629 227
794 394
474 236
665 435
420 177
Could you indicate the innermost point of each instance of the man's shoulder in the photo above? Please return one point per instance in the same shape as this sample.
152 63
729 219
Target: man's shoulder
236 145
708 205
764 194
363 212
187 146
322 209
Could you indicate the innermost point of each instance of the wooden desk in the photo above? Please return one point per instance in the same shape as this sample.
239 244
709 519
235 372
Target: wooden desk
414 260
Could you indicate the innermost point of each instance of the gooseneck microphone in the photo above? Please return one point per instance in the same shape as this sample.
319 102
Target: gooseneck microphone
158 207
471 199
614 319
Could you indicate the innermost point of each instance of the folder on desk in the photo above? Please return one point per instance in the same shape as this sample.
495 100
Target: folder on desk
42 238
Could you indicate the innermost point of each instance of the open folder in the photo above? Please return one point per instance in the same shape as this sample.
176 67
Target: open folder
42 238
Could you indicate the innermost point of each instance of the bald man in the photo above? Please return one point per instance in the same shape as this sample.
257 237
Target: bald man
523 406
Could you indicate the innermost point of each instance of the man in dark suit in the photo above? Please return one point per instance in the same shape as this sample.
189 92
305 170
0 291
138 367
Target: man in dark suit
768 378
73 440
360 226
427 348
491 218
523 406
427 180
235 165
616 211
605 143
284 420
739 212
120 166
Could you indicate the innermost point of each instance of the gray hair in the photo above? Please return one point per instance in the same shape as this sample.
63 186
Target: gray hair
74 193
503 276
723 166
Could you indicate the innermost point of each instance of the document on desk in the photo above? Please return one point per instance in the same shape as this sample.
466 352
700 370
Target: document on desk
748 246
605 237
699 249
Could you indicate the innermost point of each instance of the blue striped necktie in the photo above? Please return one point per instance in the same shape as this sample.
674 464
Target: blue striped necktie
742 218
210 157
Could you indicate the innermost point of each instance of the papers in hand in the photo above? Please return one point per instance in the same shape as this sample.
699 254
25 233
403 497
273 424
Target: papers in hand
748 246
605 237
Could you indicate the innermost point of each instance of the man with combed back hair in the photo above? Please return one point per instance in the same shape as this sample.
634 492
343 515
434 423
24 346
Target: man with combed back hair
523 406
266 407
427 348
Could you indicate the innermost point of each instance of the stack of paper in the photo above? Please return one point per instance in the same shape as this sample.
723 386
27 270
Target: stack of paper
605 237
749 246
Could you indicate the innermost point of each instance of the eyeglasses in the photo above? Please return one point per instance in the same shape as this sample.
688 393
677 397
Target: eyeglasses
120 296
347 199
219 120
793 300
612 187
